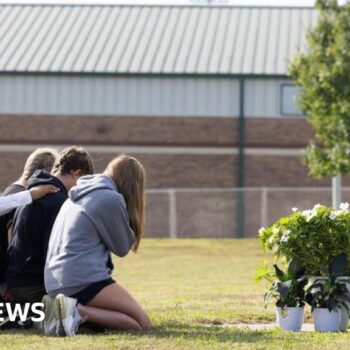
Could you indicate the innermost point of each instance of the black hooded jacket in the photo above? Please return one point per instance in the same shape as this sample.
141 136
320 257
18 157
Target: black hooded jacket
5 223
32 226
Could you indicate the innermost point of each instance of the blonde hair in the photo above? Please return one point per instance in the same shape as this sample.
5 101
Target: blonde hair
40 159
130 177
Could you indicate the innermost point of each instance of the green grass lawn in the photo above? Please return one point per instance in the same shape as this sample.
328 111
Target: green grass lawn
195 291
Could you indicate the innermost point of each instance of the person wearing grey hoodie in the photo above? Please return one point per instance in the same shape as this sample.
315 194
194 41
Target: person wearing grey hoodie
104 214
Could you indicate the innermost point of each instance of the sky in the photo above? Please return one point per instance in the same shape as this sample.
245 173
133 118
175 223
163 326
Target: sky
167 2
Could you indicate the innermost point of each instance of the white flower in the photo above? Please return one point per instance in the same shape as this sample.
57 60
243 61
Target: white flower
333 216
344 206
306 213
309 214
276 231
284 239
272 240
317 206
294 210
285 236
261 231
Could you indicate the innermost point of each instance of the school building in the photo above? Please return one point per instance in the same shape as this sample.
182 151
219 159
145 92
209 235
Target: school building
200 94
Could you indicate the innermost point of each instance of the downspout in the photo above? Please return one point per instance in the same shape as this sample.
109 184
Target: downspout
240 203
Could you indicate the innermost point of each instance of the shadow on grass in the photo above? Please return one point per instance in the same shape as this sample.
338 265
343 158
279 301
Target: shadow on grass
198 333
185 332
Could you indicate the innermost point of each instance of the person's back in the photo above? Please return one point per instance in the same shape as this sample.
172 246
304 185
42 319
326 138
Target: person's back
31 232
33 224
81 238
40 159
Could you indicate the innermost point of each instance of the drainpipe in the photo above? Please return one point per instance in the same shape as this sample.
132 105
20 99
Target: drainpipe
240 206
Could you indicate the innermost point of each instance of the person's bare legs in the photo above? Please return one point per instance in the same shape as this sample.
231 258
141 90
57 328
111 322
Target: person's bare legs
108 319
114 308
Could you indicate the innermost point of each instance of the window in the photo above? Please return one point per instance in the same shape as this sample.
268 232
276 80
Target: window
289 93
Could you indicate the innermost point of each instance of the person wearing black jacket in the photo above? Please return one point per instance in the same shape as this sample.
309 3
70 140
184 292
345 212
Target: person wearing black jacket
33 223
40 159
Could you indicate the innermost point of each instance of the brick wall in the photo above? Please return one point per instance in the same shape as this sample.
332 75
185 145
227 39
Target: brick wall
195 171
260 132
199 215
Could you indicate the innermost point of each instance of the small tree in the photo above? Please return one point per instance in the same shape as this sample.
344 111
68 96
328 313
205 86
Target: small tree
323 73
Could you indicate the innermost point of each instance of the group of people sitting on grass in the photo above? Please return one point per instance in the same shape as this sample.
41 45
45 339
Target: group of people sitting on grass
59 224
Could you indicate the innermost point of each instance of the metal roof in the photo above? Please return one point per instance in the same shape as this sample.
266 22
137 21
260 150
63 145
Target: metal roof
119 39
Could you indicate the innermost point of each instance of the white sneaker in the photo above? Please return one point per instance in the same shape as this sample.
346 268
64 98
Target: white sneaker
51 322
60 332
69 314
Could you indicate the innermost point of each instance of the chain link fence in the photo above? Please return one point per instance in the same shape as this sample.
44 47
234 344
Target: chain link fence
212 212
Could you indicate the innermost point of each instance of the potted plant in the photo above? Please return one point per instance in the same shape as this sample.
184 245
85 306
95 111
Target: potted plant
288 290
329 296
313 236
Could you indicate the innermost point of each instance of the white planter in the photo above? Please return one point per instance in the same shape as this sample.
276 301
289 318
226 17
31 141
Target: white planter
344 318
290 318
326 321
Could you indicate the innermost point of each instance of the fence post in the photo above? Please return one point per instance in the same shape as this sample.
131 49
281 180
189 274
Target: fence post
336 191
172 214
264 213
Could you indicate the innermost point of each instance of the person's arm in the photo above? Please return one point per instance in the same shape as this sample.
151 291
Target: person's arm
13 201
8 203
114 229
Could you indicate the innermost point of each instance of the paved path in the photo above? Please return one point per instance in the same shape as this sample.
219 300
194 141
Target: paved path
307 327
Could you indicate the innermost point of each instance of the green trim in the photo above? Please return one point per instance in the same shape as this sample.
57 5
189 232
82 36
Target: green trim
240 205
149 75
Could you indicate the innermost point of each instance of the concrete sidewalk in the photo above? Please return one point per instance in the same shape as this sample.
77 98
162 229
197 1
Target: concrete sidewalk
307 327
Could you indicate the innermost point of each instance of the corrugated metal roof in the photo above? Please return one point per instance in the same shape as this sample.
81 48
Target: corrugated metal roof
151 39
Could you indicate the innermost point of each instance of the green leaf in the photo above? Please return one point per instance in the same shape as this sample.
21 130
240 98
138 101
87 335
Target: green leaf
295 268
279 273
338 266
284 289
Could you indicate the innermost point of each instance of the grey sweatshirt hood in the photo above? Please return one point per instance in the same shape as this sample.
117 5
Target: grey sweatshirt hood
90 183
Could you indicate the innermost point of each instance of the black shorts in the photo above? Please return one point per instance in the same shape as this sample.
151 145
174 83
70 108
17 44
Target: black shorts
88 293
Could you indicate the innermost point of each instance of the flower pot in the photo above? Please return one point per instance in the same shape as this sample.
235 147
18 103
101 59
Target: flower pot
326 321
290 318
344 318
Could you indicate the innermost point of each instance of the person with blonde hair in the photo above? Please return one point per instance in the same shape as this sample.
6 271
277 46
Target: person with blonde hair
40 159
104 213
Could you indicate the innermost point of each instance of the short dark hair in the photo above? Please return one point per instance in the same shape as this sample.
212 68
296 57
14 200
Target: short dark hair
74 158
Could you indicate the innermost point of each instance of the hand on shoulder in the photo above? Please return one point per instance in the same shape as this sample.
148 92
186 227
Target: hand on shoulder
40 191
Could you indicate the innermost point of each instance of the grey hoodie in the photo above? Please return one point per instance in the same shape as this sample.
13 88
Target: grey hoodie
91 224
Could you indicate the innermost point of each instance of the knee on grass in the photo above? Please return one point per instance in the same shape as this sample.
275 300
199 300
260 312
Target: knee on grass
144 323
